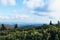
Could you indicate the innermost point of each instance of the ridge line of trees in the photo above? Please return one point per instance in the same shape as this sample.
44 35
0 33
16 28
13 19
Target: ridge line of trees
43 32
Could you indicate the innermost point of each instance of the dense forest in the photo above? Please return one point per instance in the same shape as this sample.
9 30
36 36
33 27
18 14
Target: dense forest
44 32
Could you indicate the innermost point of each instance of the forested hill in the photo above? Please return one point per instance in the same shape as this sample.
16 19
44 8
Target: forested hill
43 32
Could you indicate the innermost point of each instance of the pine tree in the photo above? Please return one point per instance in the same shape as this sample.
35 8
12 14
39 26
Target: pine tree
51 23
3 27
16 26
58 23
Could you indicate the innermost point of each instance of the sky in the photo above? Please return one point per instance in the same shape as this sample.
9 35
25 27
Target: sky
29 11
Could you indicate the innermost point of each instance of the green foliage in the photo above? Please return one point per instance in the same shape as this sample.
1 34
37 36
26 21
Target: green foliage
44 32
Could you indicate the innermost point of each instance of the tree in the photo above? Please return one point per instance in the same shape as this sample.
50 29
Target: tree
16 26
51 23
58 23
3 27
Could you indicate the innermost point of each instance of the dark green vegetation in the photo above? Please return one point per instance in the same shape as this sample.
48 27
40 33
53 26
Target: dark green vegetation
44 32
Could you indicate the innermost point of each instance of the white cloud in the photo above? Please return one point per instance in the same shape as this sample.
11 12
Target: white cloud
12 2
54 5
32 19
33 3
22 17
4 17
40 4
8 2
55 8
4 2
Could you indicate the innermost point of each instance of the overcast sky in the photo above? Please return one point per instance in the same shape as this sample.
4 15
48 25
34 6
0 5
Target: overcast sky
29 11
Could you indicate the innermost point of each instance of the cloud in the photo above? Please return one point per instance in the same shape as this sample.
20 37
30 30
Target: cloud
4 2
8 2
38 7
12 2
54 5
55 8
25 18
4 17
49 9
33 3
22 17
38 10
31 19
